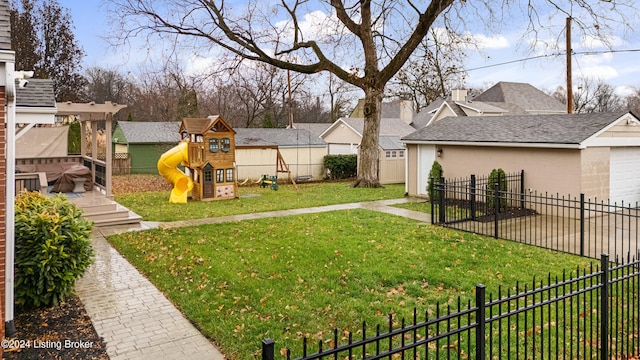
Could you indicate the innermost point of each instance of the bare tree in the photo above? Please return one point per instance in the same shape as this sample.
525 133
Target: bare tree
633 102
107 85
595 96
434 70
339 98
374 38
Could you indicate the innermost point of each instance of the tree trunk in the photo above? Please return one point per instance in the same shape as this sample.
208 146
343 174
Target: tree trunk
368 161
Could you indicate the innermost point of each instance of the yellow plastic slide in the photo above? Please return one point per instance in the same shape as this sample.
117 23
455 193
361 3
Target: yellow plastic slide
168 168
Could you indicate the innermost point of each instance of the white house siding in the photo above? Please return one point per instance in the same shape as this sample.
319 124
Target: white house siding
304 161
252 163
342 140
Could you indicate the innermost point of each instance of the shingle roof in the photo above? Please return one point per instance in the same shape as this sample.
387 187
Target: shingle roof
314 128
421 119
197 125
39 93
523 98
390 143
538 129
484 107
276 137
5 26
434 105
389 109
138 132
395 127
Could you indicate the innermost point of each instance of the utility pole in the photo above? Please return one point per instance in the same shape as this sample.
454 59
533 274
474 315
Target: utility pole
290 105
569 75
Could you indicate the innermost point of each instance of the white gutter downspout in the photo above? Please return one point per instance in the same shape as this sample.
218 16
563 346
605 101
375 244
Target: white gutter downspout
10 189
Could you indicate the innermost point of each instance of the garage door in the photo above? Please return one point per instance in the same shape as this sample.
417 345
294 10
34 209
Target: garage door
343 149
624 175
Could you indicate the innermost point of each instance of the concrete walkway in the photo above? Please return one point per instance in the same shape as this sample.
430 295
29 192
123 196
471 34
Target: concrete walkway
137 321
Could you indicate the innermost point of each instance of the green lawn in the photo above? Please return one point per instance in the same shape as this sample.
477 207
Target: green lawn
422 206
155 206
302 276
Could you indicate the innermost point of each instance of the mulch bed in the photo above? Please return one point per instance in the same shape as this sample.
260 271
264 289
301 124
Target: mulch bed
489 215
66 326
508 213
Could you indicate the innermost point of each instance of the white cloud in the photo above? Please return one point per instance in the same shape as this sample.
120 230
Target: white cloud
602 72
484 42
624 91
314 25
593 42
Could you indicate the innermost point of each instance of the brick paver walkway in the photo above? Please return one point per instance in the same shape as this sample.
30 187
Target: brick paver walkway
137 321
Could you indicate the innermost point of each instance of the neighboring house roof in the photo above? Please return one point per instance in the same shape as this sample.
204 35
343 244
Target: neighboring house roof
315 128
504 98
249 137
391 143
570 130
522 97
387 126
39 93
434 105
140 132
390 109
481 107
421 119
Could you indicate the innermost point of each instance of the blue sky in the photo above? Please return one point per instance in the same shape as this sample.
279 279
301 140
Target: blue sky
621 69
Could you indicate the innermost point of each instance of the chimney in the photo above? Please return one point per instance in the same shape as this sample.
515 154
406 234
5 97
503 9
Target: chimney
406 111
459 95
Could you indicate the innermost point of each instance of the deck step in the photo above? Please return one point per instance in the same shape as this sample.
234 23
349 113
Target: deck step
105 212
131 218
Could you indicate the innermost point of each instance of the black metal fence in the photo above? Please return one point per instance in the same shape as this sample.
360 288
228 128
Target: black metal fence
585 315
567 224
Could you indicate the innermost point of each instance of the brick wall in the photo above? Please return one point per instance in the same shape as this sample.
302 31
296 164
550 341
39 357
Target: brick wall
3 204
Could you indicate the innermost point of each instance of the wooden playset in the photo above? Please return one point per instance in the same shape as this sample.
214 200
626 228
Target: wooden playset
207 151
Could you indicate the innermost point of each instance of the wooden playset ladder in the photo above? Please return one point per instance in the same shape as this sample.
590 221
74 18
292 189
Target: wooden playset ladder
282 167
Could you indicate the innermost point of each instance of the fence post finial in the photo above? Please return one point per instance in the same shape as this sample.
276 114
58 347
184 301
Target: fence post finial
268 349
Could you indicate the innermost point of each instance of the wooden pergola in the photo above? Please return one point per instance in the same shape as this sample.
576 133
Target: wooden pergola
92 114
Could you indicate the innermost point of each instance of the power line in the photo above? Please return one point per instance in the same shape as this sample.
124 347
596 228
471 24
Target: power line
551 55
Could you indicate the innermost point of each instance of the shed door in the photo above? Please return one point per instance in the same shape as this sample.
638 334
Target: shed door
426 157
624 175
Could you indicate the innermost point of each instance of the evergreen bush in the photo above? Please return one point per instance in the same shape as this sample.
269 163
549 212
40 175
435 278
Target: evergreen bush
341 166
500 177
434 177
53 248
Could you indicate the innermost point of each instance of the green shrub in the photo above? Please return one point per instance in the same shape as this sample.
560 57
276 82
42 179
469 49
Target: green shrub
434 177
496 176
341 166
73 144
53 248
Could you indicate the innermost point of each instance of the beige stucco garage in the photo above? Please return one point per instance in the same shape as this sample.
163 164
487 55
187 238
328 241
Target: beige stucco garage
596 154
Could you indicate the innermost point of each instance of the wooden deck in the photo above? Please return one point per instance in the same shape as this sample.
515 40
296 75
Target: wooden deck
102 210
